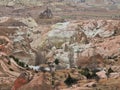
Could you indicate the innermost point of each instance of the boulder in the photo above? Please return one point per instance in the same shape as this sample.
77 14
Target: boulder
37 83
108 47
91 84
30 22
114 75
20 81
115 68
102 74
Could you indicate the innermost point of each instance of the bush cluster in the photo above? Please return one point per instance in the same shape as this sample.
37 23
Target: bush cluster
22 64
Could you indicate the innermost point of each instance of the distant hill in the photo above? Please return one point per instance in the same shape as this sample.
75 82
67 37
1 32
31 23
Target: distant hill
40 2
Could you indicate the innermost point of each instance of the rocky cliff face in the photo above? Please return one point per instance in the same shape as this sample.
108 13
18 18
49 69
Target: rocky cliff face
86 34
19 36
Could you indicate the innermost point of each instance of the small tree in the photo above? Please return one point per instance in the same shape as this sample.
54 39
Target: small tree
86 73
109 71
26 66
22 64
9 62
11 69
14 58
70 81
56 61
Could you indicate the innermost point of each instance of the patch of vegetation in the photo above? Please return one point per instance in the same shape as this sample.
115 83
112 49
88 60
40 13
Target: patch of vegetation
14 58
89 74
86 73
56 61
9 63
22 64
109 71
70 81
11 69
26 66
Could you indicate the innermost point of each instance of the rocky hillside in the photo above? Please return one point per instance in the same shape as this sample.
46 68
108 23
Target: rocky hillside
80 44
58 48
78 48
85 37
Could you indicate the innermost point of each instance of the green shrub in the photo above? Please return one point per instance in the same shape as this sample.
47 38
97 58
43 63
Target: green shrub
86 73
70 81
56 61
26 66
109 71
9 63
22 64
89 74
14 58
11 69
